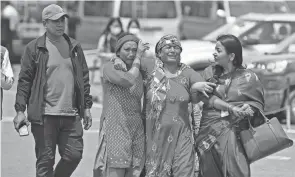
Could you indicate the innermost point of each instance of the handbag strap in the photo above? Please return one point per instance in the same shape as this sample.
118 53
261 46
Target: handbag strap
264 117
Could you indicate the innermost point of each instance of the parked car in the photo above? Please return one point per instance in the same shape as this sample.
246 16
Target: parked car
209 15
277 73
259 33
268 41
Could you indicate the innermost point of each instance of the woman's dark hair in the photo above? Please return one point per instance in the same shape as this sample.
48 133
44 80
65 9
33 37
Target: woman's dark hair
134 20
156 52
232 45
111 21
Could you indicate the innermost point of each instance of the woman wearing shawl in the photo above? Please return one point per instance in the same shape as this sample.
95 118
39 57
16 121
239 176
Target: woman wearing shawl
121 135
167 88
218 142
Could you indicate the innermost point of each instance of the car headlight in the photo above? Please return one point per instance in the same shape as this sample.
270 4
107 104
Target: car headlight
261 66
250 66
277 67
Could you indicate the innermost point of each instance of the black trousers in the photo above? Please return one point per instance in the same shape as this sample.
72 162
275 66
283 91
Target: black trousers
64 131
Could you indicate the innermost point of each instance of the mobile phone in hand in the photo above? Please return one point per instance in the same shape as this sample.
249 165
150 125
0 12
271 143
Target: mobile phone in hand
23 130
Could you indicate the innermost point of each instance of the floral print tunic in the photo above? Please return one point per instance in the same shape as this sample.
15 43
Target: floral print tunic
169 141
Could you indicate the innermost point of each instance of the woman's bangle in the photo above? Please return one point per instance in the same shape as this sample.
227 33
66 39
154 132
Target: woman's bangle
230 108
135 64
113 59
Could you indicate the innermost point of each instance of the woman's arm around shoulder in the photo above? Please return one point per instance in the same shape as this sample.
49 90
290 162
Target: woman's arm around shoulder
122 78
198 85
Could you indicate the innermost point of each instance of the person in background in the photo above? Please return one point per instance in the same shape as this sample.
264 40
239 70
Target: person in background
133 27
54 85
6 73
107 44
9 22
73 22
107 40
12 14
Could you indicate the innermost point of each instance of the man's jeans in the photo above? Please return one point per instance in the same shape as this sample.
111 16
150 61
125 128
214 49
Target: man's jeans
64 131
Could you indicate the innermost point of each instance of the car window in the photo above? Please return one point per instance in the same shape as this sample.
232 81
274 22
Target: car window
98 8
237 28
241 26
196 8
148 9
270 32
238 8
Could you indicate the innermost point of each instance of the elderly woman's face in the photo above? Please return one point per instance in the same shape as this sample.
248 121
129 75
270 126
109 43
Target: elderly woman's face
170 54
128 52
220 55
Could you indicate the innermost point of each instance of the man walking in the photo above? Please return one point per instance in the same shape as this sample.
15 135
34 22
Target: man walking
54 85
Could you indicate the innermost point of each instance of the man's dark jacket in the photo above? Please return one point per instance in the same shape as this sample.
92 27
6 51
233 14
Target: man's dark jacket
32 78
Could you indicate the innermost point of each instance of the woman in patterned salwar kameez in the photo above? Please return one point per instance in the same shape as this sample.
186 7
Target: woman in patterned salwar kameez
169 88
218 140
121 135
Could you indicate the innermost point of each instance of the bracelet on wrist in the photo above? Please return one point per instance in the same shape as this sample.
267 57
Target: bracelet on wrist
113 59
137 65
230 108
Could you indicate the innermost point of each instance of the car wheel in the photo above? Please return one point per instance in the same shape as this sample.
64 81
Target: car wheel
292 101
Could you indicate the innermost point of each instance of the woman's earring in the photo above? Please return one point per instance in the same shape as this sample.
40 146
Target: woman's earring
157 55
179 63
232 57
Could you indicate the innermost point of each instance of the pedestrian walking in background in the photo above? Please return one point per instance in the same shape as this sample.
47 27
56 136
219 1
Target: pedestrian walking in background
9 21
54 86
6 73
107 40
9 11
133 27
107 44
121 135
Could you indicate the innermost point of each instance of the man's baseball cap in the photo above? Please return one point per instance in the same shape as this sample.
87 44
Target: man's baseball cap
53 12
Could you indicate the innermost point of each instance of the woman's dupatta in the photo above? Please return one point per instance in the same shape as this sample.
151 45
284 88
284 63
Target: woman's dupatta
159 86
250 91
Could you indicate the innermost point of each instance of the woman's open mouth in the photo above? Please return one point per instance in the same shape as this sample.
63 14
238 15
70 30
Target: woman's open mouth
172 56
